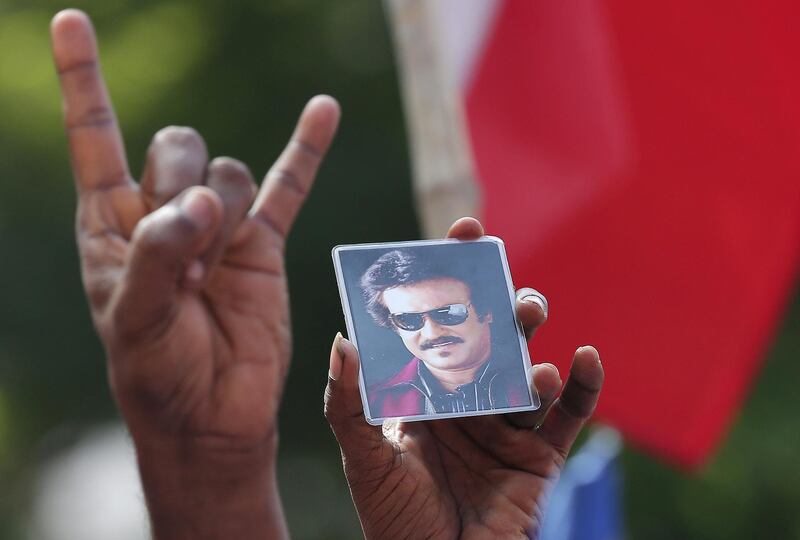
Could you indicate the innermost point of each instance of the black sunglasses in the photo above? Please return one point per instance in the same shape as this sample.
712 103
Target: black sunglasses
449 315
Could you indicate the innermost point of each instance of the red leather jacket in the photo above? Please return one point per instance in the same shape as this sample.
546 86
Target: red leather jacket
413 390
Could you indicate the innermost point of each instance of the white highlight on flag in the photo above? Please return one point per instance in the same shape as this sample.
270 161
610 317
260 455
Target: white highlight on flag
463 25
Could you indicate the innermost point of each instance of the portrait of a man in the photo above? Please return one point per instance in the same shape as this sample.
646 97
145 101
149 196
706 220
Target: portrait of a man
451 311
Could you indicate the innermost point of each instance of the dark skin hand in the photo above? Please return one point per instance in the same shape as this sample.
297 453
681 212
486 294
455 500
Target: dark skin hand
184 272
468 478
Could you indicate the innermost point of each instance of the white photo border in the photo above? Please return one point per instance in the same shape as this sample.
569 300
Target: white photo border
535 402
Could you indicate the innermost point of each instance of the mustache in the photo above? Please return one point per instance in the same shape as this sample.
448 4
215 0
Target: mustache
440 341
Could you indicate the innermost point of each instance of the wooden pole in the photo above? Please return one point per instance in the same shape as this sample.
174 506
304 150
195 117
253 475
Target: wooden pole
444 177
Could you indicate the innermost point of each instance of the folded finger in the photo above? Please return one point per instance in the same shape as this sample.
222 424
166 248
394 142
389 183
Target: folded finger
164 255
546 382
232 181
531 306
176 160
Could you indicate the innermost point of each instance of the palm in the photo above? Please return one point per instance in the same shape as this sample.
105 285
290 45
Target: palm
471 490
226 351
224 339
240 326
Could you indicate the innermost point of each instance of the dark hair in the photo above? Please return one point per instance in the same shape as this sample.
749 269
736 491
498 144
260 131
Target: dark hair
405 267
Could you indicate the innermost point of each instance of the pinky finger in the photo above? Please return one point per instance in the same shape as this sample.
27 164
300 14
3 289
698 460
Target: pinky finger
289 180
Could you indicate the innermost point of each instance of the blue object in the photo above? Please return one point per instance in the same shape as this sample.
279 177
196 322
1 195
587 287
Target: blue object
586 502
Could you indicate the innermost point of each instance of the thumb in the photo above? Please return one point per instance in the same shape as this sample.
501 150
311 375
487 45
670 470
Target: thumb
163 255
343 407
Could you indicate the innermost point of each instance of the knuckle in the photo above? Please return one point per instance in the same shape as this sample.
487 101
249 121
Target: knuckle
232 180
182 136
158 233
179 157
229 168
181 146
94 117
287 179
306 149
328 410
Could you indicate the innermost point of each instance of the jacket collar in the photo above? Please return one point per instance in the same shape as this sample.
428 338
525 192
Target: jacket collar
412 375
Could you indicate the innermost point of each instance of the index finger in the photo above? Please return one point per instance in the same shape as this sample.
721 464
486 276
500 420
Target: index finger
465 228
96 148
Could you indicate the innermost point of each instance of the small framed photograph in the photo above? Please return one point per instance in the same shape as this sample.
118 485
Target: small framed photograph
435 328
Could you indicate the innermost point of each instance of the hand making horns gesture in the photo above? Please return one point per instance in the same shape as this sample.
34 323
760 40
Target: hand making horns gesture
184 272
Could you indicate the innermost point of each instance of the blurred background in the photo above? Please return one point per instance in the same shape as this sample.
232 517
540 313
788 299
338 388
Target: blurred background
240 72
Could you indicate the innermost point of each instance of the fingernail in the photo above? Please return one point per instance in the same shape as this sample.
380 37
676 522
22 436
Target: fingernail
198 208
589 347
335 369
344 346
537 299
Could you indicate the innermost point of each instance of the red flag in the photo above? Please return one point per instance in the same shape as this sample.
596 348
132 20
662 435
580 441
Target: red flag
641 162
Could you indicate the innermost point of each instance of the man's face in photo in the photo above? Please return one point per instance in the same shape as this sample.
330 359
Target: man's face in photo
430 333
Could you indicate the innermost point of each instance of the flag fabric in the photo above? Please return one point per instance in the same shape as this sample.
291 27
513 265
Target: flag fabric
640 161
586 502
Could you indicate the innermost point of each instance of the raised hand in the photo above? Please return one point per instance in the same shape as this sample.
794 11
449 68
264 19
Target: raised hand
476 477
185 277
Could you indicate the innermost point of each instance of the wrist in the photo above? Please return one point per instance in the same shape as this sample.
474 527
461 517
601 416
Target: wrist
207 489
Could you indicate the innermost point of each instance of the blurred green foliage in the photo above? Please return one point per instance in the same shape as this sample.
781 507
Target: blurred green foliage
240 72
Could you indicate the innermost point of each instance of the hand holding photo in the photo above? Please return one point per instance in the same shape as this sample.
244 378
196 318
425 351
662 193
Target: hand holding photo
435 328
